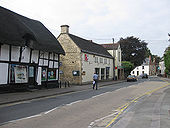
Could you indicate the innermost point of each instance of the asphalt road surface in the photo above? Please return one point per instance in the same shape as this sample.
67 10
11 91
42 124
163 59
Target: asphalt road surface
89 108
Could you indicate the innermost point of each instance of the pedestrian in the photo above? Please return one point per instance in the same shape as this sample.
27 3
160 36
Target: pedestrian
95 81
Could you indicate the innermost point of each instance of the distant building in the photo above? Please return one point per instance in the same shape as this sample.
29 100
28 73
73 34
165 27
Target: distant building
162 68
115 50
29 53
152 67
142 69
83 58
139 70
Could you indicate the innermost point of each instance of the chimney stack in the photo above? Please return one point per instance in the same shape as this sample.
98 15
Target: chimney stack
64 29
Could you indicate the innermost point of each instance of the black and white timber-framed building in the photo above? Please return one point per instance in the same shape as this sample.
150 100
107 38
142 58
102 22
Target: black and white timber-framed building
29 52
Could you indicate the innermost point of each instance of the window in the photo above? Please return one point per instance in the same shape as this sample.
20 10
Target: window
101 60
96 60
143 67
105 61
109 61
133 72
107 72
18 73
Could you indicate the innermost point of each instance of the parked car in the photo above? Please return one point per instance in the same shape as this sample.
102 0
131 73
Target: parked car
144 76
131 78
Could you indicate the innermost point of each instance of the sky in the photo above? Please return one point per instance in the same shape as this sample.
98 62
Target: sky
102 20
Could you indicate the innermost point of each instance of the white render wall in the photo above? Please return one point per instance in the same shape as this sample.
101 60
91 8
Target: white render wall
118 58
90 65
162 67
25 55
4 53
139 68
3 73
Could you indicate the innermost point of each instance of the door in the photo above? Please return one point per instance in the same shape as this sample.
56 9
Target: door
32 75
102 73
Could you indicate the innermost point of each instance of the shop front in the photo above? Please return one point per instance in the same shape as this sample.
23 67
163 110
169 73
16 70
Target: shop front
22 75
49 77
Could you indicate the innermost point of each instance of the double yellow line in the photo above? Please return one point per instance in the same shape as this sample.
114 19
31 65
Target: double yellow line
123 107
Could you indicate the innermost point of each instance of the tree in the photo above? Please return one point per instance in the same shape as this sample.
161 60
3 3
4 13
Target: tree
156 57
128 67
167 60
133 50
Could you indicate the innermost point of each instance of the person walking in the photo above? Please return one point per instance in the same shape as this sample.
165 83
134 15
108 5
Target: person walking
95 81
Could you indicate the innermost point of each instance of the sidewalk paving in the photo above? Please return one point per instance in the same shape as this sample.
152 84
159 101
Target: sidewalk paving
7 98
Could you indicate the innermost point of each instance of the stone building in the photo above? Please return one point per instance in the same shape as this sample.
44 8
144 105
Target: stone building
83 58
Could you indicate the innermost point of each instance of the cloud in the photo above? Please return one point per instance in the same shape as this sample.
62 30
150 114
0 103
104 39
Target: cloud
102 19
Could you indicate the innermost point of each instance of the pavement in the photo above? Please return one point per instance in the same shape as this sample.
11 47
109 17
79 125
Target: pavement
14 97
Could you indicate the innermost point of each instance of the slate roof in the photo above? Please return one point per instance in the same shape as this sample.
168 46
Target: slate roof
111 46
88 46
17 30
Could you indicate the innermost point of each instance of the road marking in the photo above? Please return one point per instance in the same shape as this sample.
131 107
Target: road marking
12 121
92 123
51 110
123 107
12 104
74 102
100 94
123 123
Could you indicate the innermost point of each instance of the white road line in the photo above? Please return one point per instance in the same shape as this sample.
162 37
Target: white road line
123 123
100 94
51 110
74 102
98 120
24 118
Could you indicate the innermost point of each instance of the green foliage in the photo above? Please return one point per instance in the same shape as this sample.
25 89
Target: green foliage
148 52
167 60
134 50
128 67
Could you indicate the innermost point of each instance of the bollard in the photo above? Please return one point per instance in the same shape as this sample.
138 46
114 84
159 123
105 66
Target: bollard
60 84
65 84
68 84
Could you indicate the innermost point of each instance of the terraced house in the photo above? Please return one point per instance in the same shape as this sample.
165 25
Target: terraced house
115 50
83 58
29 53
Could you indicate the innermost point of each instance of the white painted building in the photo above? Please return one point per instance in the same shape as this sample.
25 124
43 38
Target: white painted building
115 50
29 53
103 66
83 58
162 68
139 70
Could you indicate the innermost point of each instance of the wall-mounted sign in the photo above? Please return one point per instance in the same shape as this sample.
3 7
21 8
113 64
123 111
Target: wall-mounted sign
76 73
60 63
86 57
61 72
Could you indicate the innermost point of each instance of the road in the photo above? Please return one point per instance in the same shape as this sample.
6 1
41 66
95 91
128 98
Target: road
89 108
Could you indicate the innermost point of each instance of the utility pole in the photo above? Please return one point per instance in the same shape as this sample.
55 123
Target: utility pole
113 61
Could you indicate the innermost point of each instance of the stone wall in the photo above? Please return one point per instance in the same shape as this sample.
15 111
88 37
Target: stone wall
71 61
